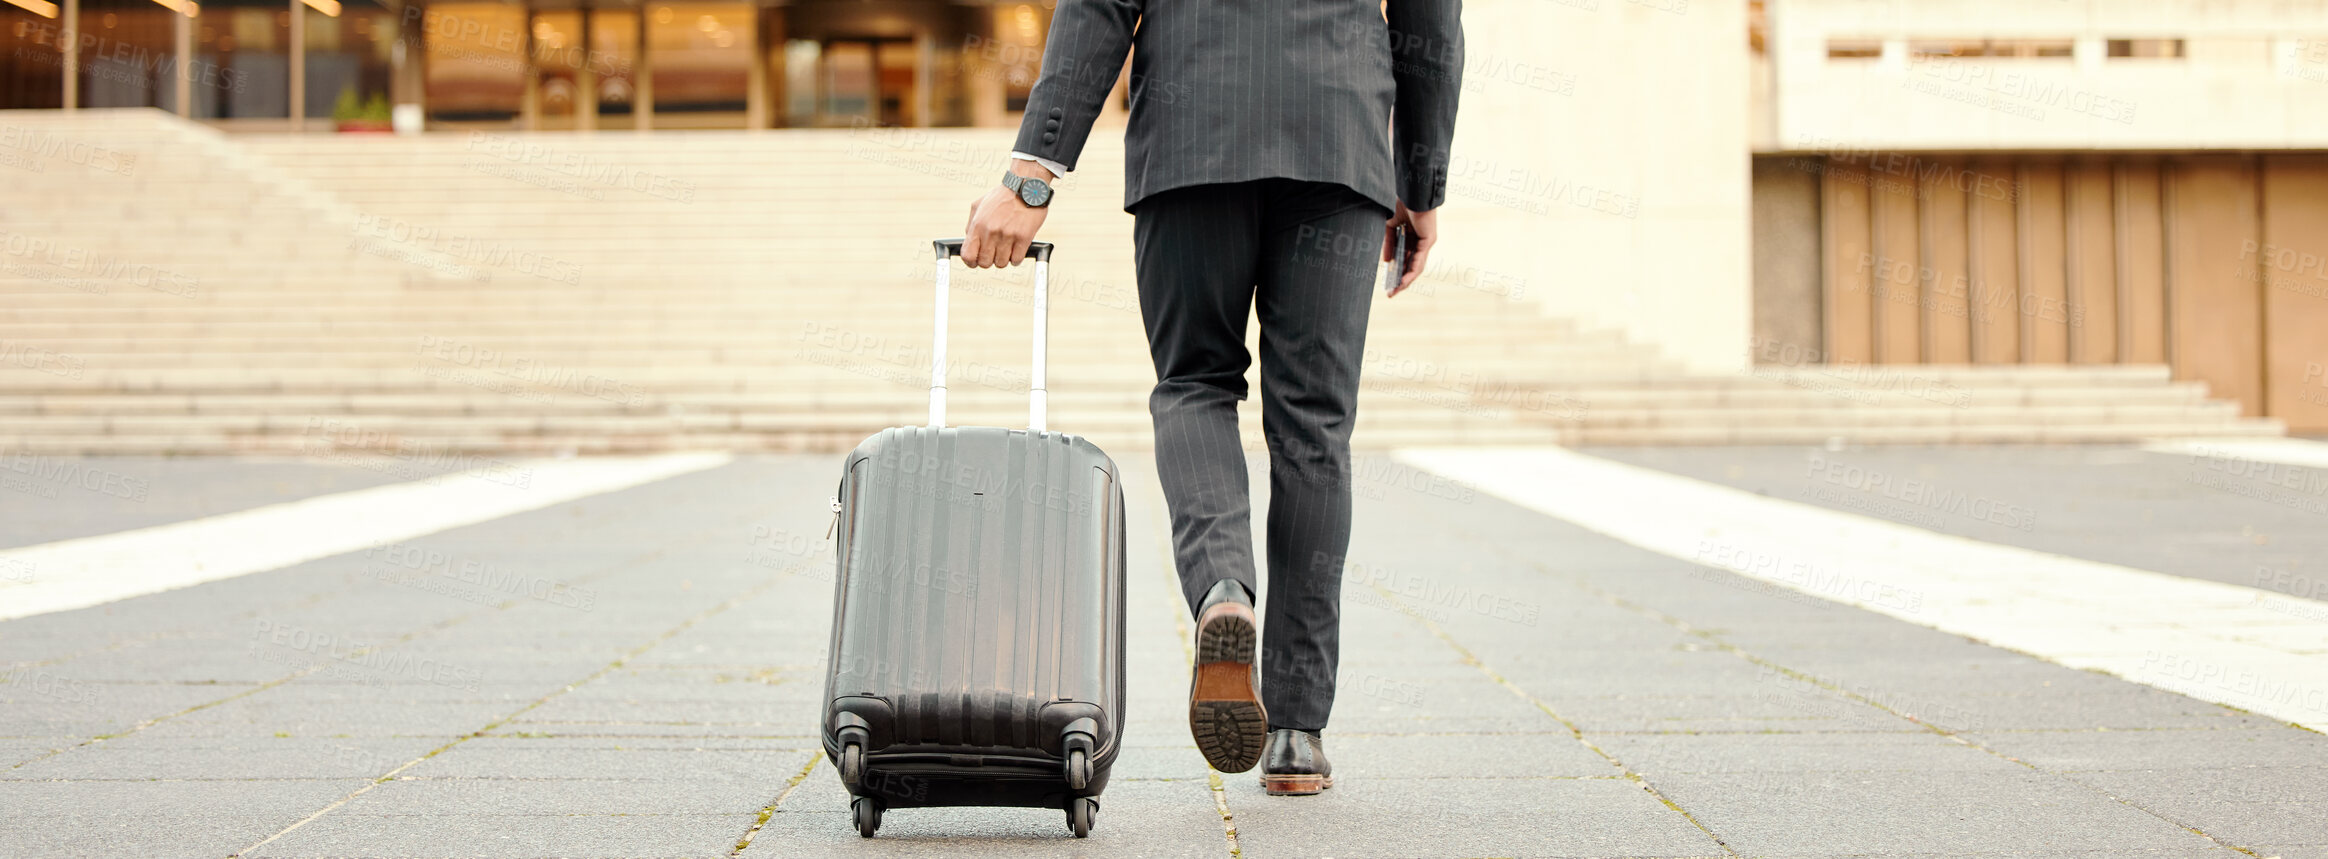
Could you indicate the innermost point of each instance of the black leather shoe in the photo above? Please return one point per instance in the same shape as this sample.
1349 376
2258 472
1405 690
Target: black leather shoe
1224 700
1296 764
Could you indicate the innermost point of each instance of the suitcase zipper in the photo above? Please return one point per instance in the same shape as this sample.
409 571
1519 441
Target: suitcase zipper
836 524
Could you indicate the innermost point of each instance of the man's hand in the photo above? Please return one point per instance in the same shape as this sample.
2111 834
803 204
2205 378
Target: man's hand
1001 225
1422 233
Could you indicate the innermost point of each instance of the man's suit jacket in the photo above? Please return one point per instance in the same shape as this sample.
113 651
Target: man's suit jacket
1233 90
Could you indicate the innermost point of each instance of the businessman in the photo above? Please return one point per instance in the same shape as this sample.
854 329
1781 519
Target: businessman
1274 148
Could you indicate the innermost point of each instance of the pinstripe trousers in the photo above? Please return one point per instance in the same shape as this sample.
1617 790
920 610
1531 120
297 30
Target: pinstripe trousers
1304 257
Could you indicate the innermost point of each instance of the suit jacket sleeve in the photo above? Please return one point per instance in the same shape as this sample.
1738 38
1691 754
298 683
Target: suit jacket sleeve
1426 52
1085 55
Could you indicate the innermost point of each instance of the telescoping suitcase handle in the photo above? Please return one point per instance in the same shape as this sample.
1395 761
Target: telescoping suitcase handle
1038 400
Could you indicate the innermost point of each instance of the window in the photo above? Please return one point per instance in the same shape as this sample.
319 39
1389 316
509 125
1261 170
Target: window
476 60
2037 48
2146 48
2016 48
1854 49
1927 49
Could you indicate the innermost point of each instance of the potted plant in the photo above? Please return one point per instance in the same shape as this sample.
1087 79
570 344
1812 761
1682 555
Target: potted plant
356 116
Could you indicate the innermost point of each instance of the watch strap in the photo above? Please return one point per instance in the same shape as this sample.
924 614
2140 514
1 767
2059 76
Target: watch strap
1015 183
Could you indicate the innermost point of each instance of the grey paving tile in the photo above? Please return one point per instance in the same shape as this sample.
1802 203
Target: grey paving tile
154 818
822 792
2048 853
1881 813
731 704
800 674
1699 670
1656 754
1159 762
1984 671
1728 714
2165 789
504 836
2281 851
352 711
2129 707
716 650
2088 750
16 750
620 744
38 703
784 719
1834 627
140 757
1439 706
508 760
2289 824
407 796
1136 819
1433 756
796 732
490 667
187 661
1462 817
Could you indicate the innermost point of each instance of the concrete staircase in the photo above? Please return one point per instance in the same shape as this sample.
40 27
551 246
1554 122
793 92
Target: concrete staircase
763 291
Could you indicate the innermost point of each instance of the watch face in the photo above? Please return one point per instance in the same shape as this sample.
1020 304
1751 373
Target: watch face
1034 192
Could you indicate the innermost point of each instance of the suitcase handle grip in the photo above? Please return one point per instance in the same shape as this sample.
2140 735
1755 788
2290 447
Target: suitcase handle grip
1038 399
1041 251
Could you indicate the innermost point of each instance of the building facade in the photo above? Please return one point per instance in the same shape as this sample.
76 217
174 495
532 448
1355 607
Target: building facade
1730 182
273 65
2087 182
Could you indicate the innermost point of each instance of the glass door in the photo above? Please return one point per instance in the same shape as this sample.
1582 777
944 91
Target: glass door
850 82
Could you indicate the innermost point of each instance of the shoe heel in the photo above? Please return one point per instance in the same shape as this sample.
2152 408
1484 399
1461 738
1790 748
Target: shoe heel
1225 715
1231 734
1295 785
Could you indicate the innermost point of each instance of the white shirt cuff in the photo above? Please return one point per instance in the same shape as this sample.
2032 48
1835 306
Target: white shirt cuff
1056 168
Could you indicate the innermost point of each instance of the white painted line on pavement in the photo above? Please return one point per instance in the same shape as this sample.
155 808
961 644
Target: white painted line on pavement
89 571
2286 451
2229 644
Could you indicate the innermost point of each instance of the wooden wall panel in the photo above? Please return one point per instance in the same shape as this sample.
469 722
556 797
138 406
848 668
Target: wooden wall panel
1993 263
2211 289
2216 265
1947 282
2141 264
1892 211
1848 257
2043 276
2091 252
2293 260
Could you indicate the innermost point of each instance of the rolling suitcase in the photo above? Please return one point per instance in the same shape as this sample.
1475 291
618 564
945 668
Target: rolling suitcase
977 655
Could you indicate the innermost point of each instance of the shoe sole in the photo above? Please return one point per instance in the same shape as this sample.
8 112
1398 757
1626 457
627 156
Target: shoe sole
1224 710
1295 785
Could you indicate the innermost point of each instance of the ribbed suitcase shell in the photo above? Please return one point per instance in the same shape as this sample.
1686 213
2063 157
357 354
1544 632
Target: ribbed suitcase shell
978 611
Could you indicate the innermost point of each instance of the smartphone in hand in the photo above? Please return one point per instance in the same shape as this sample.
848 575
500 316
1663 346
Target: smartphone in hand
1398 260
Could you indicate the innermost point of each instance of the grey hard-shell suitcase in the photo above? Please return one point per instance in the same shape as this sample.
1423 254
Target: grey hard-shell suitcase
978 613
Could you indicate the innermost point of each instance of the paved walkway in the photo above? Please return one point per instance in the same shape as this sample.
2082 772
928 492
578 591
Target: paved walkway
635 674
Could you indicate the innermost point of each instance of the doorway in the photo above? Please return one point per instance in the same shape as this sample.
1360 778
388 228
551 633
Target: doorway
851 81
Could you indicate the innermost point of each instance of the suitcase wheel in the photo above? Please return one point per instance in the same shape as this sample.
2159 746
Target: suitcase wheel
867 811
852 764
1078 769
1080 812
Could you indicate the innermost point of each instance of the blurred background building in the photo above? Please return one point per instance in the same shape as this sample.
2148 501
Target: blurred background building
273 66
608 226
2088 183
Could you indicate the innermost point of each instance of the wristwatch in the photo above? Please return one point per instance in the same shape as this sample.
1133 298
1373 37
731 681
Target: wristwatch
1031 191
